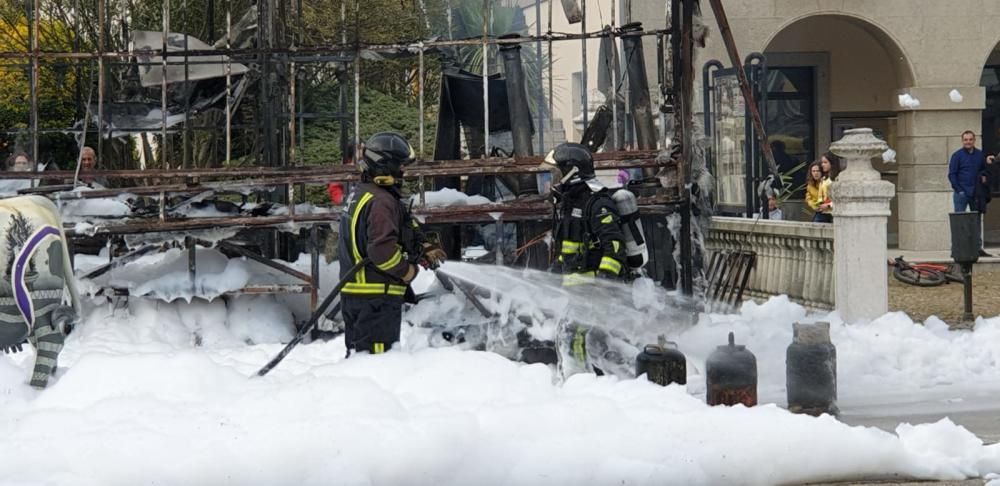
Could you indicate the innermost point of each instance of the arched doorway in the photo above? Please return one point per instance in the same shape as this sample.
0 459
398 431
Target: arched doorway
990 81
990 141
829 73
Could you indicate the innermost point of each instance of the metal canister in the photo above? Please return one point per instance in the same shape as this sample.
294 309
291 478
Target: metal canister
731 375
662 364
811 370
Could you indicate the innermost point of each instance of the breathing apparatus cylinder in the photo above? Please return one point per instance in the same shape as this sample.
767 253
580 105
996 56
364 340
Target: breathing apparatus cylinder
635 241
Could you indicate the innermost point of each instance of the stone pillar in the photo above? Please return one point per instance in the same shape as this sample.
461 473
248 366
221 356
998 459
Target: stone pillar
926 138
860 210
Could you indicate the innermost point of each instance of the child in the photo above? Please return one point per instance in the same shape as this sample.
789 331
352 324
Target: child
774 212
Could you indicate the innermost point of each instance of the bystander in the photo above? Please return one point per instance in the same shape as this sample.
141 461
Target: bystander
969 177
817 194
19 162
773 210
88 163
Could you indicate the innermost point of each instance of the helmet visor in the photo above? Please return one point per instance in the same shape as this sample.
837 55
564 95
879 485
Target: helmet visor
549 163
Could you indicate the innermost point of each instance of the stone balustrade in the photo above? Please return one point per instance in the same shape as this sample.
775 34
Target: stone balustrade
793 258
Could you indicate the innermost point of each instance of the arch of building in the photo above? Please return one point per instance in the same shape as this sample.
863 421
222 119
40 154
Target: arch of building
990 82
865 55
858 70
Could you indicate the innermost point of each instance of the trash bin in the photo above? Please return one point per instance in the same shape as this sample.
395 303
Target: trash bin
966 240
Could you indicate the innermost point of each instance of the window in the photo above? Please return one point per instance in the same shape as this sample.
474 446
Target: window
791 120
729 138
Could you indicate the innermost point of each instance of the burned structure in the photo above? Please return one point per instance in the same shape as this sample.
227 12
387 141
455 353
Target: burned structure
230 126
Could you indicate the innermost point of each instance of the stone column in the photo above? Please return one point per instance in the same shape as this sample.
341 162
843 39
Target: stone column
860 210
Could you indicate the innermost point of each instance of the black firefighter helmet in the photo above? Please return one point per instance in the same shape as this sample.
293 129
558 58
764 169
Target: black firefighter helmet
383 157
574 162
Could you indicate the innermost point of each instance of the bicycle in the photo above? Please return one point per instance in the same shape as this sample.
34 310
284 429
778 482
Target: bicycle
924 274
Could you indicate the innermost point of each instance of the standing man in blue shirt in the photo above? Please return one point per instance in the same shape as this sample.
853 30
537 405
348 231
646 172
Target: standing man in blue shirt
966 172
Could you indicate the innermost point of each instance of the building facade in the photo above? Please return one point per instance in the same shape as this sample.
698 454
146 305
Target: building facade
838 64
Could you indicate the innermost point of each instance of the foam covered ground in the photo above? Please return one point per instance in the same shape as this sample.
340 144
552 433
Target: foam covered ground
136 401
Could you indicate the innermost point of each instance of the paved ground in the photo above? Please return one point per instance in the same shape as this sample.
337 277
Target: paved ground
942 256
946 301
985 424
970 482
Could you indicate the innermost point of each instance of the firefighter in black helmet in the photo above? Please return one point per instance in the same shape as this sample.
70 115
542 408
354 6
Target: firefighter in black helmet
377 226
587 229
591 244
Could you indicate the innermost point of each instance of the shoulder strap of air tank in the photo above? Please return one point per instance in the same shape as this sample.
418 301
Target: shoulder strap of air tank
588 210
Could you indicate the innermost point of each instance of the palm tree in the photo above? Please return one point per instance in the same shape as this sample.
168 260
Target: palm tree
505 17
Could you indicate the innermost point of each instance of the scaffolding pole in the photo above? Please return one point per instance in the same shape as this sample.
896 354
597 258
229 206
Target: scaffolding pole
613 74
229 88
292 115
357 81
302 97
551 87
420 100
163 87
185 160
486 78
540 100
33 41
583 59
687 86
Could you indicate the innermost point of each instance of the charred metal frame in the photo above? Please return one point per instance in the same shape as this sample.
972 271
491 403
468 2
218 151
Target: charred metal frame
282 123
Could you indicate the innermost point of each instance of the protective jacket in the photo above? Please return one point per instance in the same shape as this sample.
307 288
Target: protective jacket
377 226
588 234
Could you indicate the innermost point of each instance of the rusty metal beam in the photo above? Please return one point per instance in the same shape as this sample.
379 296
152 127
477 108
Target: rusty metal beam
606 160
341 174
538 210
101 270
272 289
261 289
734 57
167 226
225 245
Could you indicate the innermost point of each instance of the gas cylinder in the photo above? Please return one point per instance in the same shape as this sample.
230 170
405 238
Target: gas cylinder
811 370
662 364
731 375
635 241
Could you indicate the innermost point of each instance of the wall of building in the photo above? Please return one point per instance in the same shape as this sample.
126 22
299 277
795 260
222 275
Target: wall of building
862 75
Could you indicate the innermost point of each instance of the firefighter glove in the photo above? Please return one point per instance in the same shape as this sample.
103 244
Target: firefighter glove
434 255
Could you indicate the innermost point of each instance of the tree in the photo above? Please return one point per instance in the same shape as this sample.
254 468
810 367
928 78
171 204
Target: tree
55 90
74 26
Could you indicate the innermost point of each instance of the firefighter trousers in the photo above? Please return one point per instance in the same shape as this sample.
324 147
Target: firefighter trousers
371 323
